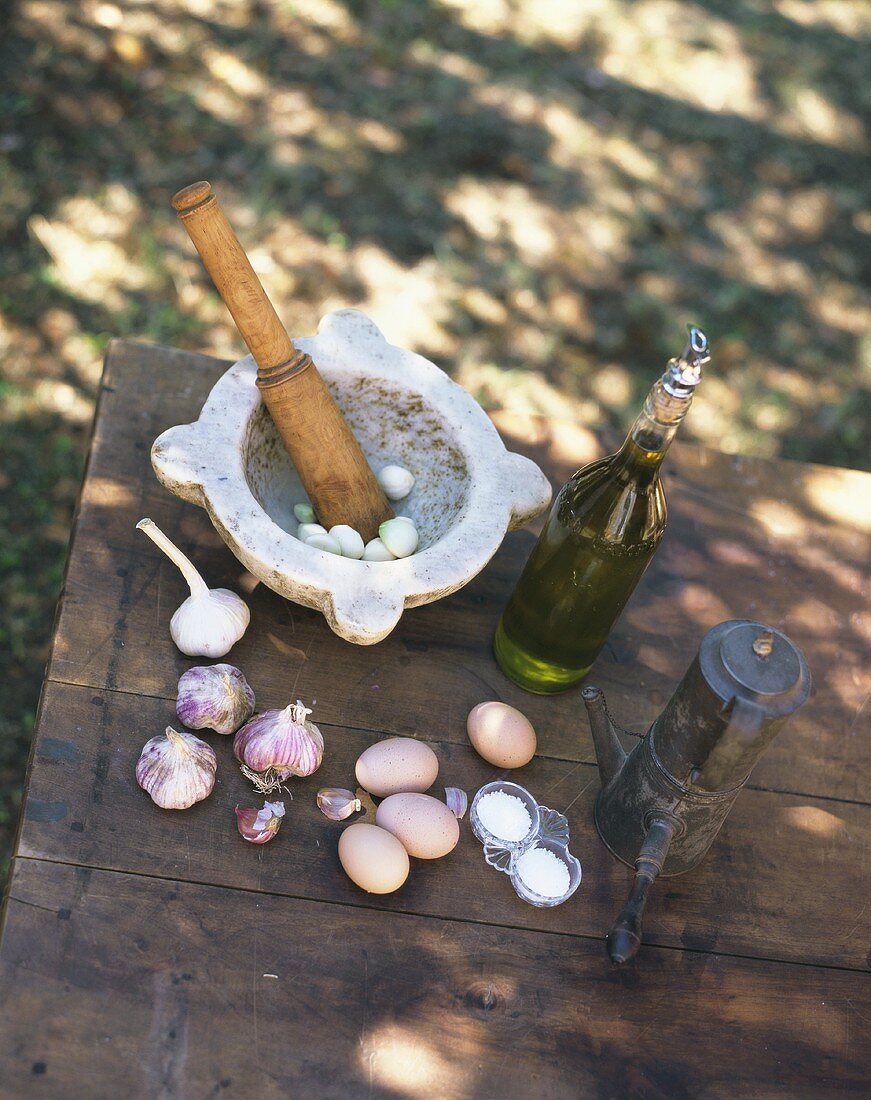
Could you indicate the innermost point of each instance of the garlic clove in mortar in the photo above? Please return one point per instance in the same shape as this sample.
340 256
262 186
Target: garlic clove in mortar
350 541
277 744
399 536
259 826
211 620
396 481
376 551
304 513
306 530
176 769
215 697
326 543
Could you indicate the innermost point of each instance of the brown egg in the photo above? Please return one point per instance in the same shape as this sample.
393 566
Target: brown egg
501 734
373 858
395 765
426 827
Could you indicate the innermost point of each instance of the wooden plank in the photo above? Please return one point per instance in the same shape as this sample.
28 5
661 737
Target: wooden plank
784 880
746 538
137 987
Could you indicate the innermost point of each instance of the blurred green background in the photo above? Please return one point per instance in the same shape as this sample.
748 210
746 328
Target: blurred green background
537 194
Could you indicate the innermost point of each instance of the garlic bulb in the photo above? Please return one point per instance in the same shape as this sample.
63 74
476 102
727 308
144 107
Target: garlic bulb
399 536
349 540
304 513
377 551
258 826
177 769
338 804
277 744
215 697
211 620
396 481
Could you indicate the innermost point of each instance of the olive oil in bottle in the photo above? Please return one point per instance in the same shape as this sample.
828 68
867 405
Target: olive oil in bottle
602 532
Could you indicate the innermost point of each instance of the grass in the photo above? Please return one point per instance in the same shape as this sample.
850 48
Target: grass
536 195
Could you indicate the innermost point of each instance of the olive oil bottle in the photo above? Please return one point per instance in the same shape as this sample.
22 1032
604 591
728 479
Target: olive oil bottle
602 532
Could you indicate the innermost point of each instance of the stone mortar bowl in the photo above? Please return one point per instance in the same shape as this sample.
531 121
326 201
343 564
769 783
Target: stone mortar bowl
469 490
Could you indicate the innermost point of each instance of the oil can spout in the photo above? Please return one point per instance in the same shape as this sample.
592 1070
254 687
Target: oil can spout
609 751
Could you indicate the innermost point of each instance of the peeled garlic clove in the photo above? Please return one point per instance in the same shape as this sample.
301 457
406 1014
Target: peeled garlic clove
326 543
405 519
338 804
258 826
457 800
215 697
306 530
399 536
396 481
376 551
211 620
277 744
304 513
177 769
349 540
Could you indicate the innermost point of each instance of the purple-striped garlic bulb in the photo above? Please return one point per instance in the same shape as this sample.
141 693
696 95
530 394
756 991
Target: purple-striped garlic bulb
215 697
177 769
277 744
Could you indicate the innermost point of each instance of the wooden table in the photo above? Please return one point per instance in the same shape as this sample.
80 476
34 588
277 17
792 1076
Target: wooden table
155 954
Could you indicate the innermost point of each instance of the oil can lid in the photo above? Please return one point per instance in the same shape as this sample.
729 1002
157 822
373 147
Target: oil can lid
764 663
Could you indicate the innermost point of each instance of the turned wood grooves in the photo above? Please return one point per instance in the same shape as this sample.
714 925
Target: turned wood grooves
328 458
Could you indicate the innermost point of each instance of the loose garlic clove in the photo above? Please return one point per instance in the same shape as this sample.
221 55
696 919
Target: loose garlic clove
326 543
457 801
304 513
177 769
306 530
399 536
215 697
349 540
211 620
338 804
376 551
396 481
259 826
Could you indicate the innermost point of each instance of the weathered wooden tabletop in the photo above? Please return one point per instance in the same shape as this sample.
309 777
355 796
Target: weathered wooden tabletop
154 954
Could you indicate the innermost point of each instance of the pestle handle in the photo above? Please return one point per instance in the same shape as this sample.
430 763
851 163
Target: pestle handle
327 456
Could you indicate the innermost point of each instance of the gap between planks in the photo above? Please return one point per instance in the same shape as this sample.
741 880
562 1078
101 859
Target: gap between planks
773 959
442 741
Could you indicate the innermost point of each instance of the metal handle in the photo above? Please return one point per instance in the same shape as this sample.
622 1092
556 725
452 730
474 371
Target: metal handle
624 939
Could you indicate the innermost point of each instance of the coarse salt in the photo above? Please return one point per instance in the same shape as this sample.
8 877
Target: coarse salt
504 815
543 872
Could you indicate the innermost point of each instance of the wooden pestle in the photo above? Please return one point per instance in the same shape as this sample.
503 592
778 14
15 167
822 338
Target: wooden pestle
328 458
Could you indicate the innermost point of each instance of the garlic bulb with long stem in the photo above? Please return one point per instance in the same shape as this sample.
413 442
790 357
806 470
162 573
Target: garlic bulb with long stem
176 769
211 620
215 697
277 744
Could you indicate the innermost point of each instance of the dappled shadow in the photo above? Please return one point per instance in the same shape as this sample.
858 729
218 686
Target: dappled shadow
537 204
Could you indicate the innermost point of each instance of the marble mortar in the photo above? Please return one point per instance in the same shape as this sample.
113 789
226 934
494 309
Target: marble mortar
469 490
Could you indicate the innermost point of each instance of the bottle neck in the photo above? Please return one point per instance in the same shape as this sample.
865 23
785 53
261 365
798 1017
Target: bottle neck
648 440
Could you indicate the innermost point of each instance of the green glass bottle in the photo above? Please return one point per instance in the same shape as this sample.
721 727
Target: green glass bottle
602 532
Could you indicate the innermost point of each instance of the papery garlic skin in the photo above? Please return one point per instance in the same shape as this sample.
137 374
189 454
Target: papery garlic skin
396 481
215 697
209 624
176 769
211 620
278 744
259 826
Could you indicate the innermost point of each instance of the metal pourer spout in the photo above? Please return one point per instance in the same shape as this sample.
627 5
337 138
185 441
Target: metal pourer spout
684 373
609 751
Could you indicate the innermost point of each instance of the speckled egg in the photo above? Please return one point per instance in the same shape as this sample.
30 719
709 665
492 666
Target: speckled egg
397 764
501 735
373 858
426 827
